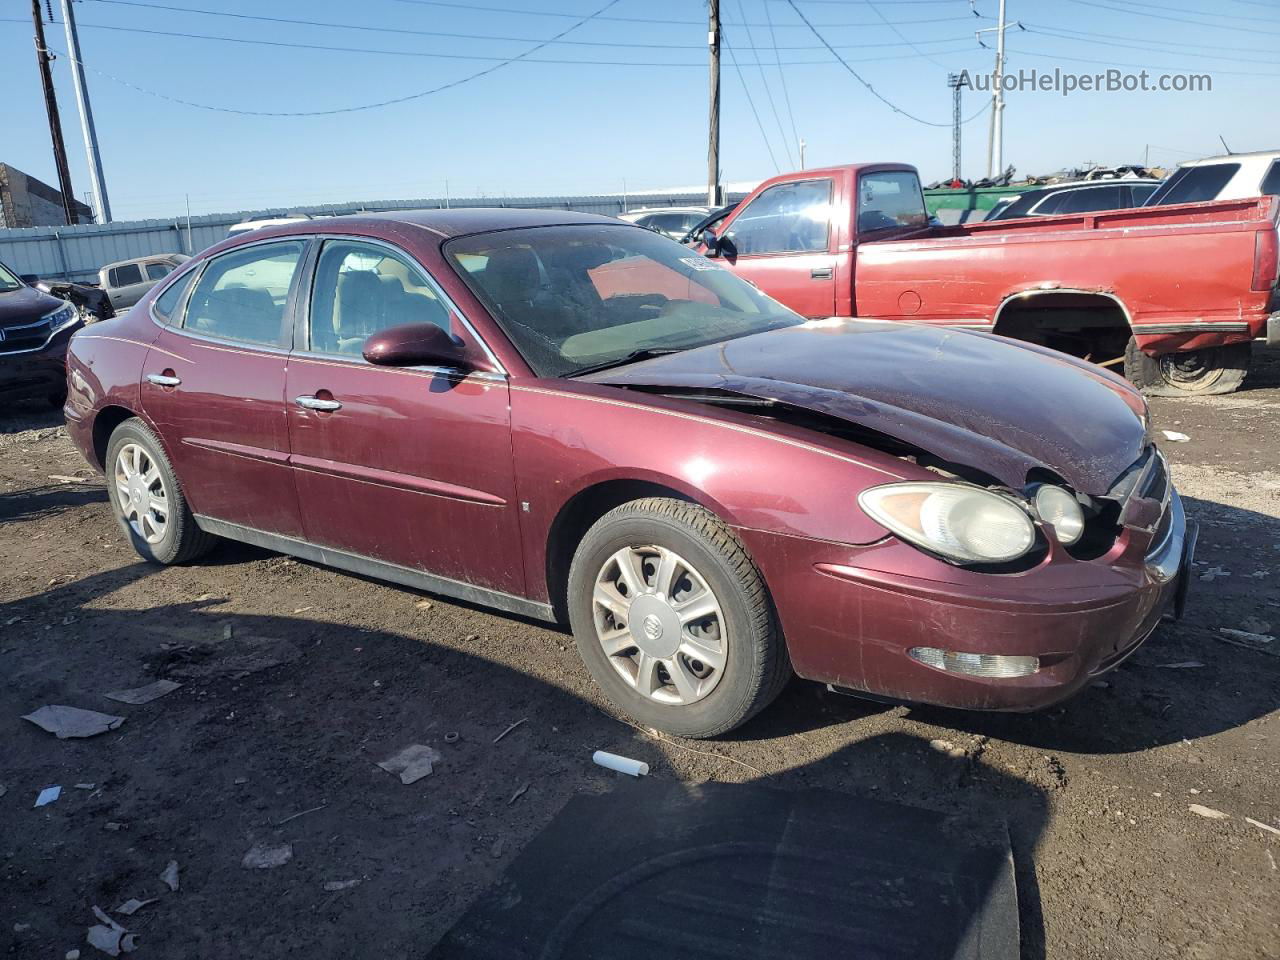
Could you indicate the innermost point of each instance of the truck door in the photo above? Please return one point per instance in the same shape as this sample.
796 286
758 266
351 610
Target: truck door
782 241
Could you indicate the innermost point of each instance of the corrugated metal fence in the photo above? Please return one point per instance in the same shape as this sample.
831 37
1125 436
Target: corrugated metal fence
76 253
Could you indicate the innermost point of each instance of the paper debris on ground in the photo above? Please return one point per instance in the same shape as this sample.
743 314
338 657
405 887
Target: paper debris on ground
68 722
1174 436
1213 573
333 886
48 795
145 694
132 906
1208 812
109 937
412 763
170 876
264 856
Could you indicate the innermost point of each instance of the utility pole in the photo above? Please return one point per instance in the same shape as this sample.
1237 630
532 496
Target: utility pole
955 83
101 205
995 146
714 197
43 58
802 146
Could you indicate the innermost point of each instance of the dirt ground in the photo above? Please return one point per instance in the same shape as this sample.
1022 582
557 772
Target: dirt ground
298 679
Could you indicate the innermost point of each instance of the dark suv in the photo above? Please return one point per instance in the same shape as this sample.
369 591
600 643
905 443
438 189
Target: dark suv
34 331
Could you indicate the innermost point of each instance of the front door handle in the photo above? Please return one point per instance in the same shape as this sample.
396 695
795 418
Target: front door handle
315 403
162 380
821 273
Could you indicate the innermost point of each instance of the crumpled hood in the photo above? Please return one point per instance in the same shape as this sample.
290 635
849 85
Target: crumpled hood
25 305
974 399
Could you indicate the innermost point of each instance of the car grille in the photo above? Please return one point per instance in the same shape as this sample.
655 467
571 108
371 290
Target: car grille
28 336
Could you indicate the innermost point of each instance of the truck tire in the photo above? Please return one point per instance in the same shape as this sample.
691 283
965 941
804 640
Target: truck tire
147 501
1191 373
684 638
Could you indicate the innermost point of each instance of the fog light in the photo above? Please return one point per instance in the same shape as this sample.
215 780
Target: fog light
975 664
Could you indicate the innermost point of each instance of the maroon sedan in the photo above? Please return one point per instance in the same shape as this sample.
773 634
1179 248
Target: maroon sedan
568 417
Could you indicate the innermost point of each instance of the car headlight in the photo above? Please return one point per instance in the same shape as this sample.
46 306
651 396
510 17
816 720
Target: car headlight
1060 510
966 523
61 317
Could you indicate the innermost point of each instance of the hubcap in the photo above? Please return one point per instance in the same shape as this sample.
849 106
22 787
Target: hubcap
141 494
659 624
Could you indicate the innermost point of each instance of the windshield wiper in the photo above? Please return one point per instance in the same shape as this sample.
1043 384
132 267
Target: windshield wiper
633 357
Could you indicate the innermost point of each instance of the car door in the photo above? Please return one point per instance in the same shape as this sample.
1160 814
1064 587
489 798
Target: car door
783 242
406 466
127 285
213 385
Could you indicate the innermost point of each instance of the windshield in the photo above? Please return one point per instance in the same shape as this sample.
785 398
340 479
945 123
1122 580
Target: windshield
573 297
8 282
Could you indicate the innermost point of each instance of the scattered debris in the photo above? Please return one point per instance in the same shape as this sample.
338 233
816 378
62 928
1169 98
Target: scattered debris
228 631
1271 860
1262 826
48 795
1254 625
170 876
1213 573
113 826
423 604
139 695
67 722
451 736
262 856
72 955
3 789
109 937
510 728
1261 642
1101 684
281 823
1208 812
65 479
21 927
133 905
472 637
520 792
236 658
611 761
947 747
333 886
302 610
1174 436
1181 665
412 763
497 848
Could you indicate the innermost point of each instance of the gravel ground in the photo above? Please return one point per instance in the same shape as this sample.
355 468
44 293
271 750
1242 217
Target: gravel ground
297 680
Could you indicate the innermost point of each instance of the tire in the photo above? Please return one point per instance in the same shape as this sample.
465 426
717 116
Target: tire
1192 373
175 540
746 664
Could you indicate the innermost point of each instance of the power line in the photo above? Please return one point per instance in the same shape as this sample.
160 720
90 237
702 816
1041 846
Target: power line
857 76
1139 66
751 103
902 36
1166 18
1064 33
1165 9
782 76
768 90
1236 51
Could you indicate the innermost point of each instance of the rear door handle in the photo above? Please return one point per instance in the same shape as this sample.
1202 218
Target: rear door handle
315 403
161 380
821 273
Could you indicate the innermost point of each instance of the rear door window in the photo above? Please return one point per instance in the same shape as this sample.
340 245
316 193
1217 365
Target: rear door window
128 274
786 218
241 295
1195 184
888 200
1271 182
1089 199
167 304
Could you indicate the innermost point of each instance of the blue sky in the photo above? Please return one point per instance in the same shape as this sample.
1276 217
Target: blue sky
565 128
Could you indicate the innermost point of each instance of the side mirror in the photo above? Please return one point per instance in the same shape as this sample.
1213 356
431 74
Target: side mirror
415 345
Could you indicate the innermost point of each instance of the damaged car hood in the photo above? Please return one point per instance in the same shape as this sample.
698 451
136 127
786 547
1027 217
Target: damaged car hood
988 403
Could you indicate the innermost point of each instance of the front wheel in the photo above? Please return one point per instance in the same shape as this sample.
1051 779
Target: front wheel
673 620
1190 373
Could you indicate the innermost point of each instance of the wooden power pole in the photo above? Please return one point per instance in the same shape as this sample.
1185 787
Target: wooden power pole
714 197
43 57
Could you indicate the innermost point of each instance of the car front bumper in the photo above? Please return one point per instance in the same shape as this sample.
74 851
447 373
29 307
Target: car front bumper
850 621
36 373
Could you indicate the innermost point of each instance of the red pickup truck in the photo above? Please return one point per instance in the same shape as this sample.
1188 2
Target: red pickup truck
1175 294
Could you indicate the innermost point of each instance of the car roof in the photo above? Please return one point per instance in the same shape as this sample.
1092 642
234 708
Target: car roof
1229 157
449 223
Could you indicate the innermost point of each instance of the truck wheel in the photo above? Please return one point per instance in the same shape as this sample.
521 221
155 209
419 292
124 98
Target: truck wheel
1191 373
673 620
147 500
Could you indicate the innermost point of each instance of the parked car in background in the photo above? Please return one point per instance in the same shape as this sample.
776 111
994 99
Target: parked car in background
1086 196
35 328
673 222
1230 177
244 226
127 281
563 416
710 222
855 241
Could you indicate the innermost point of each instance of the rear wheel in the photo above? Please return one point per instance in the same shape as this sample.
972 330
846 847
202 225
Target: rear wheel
1191 373
673 620
147 500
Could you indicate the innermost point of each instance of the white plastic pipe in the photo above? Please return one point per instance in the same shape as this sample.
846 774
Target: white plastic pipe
612 761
